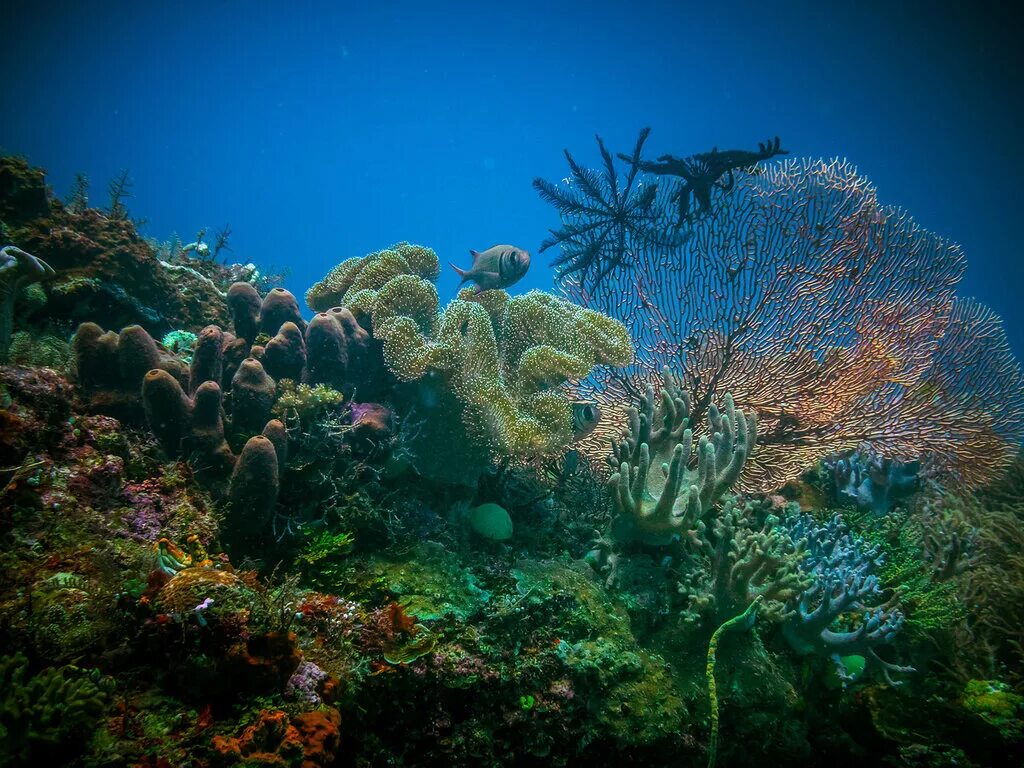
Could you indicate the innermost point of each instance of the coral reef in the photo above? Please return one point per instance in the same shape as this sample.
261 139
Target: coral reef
104 270
380 537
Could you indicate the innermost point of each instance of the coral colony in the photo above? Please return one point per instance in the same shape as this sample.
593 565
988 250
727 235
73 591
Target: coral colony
747 491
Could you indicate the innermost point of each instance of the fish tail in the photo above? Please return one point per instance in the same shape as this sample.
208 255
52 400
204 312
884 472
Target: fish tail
462 273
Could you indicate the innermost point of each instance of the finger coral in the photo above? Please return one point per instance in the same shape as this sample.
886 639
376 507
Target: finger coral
660 493
45 718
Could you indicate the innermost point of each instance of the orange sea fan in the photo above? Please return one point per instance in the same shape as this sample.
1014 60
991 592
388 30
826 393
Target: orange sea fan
831 316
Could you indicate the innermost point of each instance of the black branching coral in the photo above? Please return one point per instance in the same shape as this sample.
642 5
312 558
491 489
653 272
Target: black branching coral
606 216
701 173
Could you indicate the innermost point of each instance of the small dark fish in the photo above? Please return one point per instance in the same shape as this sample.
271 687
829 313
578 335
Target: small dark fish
585 417
498 267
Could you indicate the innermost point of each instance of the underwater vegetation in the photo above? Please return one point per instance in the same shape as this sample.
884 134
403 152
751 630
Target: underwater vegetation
748 492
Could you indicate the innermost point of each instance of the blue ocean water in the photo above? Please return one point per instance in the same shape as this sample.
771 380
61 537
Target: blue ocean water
321 131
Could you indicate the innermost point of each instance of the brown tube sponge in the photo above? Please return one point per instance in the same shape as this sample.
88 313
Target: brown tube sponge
166 409
244 305
95 356
327 352
285 355
137 353
252 395
206 436
253 490
208 358
276 433
279 307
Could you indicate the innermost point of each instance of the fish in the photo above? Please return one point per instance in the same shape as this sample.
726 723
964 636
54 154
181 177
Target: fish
500 266
585 417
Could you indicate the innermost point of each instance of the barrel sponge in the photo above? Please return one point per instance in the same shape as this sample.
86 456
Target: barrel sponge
167 409
371 273
252 395
254 486
207 358
279 307
244 305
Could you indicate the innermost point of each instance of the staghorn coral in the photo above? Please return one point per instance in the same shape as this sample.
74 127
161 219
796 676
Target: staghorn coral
842 613
831 316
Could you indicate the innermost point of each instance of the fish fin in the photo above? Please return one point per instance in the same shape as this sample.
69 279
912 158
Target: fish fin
463 273
488 281
474 255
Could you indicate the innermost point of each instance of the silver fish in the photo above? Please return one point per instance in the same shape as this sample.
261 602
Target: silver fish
585 417
498 267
